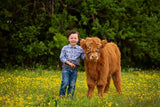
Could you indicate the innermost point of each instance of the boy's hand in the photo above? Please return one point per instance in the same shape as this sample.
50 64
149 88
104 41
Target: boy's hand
71 64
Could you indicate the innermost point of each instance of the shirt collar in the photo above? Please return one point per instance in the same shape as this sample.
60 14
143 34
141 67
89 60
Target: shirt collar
72 47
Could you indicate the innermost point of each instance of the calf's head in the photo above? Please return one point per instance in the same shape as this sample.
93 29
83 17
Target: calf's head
92 47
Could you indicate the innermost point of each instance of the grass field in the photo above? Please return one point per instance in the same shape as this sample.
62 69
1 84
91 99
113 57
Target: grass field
39 87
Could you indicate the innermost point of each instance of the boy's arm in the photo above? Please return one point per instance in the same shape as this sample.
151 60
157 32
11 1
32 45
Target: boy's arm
83 55
62 56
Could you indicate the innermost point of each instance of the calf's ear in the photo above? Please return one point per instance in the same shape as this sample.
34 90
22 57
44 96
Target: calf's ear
104 42
83 43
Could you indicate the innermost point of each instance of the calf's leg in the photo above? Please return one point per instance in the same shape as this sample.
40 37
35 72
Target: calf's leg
91 86
107 85
100 90
101 85
117 81
90 90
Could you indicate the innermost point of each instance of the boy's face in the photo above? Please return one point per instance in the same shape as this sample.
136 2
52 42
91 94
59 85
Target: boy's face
73 39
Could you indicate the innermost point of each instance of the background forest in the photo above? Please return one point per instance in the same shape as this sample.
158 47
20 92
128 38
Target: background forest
32 32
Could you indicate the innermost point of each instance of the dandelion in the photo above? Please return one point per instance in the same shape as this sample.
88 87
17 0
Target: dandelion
110 104
49 103
0 98
29 97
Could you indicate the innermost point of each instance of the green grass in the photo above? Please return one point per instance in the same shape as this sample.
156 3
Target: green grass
41 88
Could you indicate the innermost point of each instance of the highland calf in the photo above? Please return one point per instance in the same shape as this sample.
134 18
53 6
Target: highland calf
102 62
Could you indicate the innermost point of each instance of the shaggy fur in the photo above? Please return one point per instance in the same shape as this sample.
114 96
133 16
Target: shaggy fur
102 62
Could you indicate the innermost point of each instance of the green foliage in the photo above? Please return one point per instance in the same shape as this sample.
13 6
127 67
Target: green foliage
35 31
35 49
60 40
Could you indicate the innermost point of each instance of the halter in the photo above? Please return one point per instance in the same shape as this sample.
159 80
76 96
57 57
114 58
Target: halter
91 51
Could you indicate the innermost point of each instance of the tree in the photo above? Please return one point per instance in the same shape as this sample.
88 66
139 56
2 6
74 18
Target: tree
33 31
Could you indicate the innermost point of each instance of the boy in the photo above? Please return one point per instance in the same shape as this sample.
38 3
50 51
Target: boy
70 57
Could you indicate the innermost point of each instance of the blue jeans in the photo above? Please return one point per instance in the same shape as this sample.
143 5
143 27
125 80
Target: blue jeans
69 78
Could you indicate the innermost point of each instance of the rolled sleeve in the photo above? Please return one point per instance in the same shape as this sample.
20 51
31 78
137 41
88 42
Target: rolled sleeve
83 55
62 56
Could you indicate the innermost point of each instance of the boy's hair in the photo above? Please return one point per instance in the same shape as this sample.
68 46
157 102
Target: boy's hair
73 32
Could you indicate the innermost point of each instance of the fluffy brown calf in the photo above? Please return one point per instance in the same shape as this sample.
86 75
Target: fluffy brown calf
102 62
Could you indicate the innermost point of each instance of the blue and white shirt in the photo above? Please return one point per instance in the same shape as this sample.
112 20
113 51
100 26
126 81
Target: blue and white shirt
72 54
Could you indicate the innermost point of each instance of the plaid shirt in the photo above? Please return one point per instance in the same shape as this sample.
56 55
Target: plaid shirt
72 54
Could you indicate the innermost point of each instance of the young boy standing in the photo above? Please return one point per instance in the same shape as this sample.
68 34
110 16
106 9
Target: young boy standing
70 57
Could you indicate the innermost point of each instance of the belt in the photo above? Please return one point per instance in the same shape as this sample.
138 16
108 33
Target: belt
67 65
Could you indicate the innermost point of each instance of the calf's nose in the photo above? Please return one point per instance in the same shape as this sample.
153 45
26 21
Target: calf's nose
94 57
